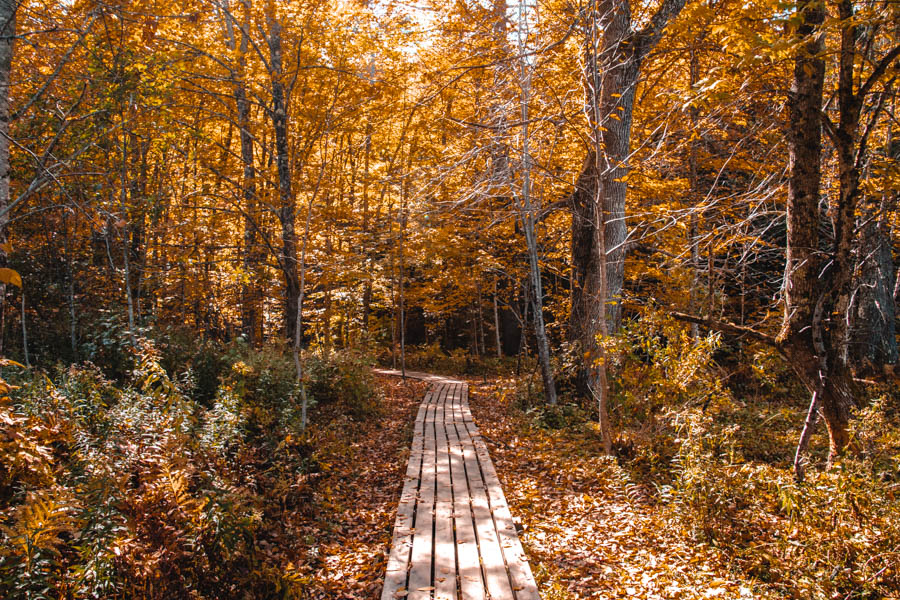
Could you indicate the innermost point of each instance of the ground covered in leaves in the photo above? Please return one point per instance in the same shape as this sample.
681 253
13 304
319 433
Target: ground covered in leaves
591 530
346 530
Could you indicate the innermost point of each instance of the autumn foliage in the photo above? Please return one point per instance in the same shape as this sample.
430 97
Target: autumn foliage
661 235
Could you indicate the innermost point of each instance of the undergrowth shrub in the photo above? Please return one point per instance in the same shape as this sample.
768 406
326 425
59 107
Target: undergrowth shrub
264 384
427 357
196 364
665 367
138 490
432 358
560 416
344 379
722 466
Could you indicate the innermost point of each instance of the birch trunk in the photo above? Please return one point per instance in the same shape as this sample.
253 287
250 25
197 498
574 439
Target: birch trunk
7 37
526 212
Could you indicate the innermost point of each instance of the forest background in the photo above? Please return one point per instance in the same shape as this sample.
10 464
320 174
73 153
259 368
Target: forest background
662 235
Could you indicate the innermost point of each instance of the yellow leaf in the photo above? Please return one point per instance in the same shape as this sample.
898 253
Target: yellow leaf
6 247
10 277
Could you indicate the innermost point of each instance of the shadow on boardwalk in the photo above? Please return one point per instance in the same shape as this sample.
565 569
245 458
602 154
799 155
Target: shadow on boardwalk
454 537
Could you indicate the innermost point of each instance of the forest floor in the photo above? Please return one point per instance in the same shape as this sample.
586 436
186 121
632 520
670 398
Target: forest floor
347 532
588 531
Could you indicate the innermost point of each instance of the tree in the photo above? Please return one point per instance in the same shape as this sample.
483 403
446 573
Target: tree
527 213
7 37
612 68
819 281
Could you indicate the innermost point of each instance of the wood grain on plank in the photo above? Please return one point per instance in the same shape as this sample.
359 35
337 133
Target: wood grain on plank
444 543
419 583
401 545
471 583
496 577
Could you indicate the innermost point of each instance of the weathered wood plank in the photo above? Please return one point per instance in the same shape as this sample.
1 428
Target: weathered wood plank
496 577
401 545
444 543
517 563
419 583
471 585
454 538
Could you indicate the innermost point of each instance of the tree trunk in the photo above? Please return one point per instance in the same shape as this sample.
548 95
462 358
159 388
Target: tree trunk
613 61
7 37
807 297
497 322
873 336
288 258
526 214
126 249
694 195
251 294
862 269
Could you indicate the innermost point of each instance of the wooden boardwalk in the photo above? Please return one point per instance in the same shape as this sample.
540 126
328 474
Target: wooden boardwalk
454 538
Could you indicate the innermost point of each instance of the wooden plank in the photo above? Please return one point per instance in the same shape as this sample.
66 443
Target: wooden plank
401 545
444 544
520 574
419 584
496 577
471 585
422 415
454 538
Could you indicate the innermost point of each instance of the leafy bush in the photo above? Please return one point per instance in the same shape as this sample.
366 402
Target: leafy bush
664 367
432 358
560 416
344 379
426 357
123 491
265 385
722 468
196 363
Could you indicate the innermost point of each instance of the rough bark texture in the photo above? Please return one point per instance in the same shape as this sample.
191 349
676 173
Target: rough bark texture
286 211
7 37
873 336
808 298
251 294
602 182
252 258
863 269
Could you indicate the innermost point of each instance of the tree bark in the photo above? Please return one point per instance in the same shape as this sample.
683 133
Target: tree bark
613 54
863 269
526 213
7 38
251 294
497 322
286 210
873 337
807 297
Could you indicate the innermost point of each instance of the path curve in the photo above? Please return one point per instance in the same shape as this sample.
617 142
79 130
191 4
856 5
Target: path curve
429 377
